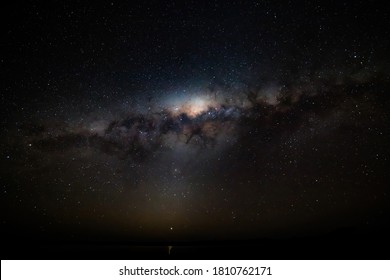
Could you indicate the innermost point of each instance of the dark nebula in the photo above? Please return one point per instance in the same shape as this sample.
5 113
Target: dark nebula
166 122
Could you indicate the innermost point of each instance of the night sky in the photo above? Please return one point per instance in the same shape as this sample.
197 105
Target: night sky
181 121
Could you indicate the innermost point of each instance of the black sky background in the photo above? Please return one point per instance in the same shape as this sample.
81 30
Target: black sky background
167 122
88 49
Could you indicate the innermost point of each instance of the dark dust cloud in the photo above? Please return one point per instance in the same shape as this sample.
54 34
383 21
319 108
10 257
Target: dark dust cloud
172 122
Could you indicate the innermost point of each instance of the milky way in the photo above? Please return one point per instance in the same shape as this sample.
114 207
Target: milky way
158 125
217 157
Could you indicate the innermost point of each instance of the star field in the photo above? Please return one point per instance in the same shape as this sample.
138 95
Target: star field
188 122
